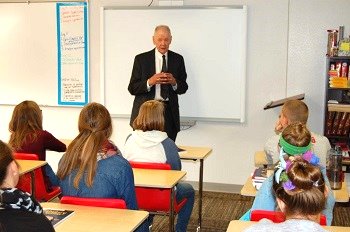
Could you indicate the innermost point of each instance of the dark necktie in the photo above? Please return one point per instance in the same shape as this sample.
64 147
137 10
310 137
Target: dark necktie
164 88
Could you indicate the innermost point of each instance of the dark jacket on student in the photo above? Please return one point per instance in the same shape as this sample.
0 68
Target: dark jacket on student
19 212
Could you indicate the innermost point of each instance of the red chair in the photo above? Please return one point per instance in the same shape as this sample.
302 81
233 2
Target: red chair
98 202
277 217
41 193
156 200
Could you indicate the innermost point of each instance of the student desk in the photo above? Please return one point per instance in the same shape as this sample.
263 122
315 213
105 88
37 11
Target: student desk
160 179
195 154
237 225
29 166
341 195
91 219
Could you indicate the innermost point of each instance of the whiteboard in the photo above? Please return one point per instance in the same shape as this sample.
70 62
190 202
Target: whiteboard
36 61
212 41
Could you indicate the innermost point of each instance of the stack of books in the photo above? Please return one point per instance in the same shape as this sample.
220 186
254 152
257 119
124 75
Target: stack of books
258 177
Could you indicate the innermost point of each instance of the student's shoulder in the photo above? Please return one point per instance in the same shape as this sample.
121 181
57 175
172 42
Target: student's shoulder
169 144
30 221
317 138
115 161
44 133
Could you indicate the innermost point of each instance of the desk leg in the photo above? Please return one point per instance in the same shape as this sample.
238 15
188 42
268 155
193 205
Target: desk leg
200 190
171 215
32 183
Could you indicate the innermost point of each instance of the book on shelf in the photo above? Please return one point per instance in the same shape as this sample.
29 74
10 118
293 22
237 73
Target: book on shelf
336 122
56 216
342 123
330 117
346 126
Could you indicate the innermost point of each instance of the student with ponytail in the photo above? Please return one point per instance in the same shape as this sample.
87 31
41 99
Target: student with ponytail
300 192
294 144
92 165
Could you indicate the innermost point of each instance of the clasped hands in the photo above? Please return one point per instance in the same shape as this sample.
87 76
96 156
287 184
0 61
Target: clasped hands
162 78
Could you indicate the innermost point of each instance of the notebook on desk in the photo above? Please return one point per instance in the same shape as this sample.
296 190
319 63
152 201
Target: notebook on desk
56 216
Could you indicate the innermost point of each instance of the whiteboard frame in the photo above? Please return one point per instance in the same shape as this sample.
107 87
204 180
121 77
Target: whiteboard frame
244 57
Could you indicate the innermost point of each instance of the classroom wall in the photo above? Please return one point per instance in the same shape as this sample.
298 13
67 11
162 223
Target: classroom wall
285 56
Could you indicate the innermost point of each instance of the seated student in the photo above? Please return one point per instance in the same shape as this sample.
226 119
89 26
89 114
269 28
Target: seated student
19 212
300 192
295 141
93 165
149 143
295 111
28 136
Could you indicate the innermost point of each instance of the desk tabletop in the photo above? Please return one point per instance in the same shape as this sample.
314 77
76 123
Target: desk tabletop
29 165
190 153
237 225
87 218
195 152
248 189
157 178
341 195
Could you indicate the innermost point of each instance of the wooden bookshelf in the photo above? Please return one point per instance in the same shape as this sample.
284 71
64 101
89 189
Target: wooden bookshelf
337 103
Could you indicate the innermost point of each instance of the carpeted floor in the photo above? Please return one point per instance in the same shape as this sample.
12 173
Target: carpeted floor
220 208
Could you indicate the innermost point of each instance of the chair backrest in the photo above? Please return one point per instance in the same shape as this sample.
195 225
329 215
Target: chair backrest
98 202
24 182
25 156
257 215
155 199
145 165
277 217
41 193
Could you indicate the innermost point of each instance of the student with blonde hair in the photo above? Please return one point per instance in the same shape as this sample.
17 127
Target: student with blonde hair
19 211
300 192
149 143
295 111
28 136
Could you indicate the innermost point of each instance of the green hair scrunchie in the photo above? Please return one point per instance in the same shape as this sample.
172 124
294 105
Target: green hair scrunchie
291 149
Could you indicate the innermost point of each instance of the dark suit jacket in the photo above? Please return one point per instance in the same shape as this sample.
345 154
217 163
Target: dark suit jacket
144 67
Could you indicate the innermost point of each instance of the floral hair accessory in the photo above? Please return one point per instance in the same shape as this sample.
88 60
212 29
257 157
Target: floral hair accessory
281 174
288 185
281 166
311 158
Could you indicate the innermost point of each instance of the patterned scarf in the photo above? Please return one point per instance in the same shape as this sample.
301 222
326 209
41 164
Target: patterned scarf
108 149
12 198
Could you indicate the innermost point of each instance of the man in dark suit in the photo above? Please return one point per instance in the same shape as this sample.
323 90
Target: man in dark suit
159 74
